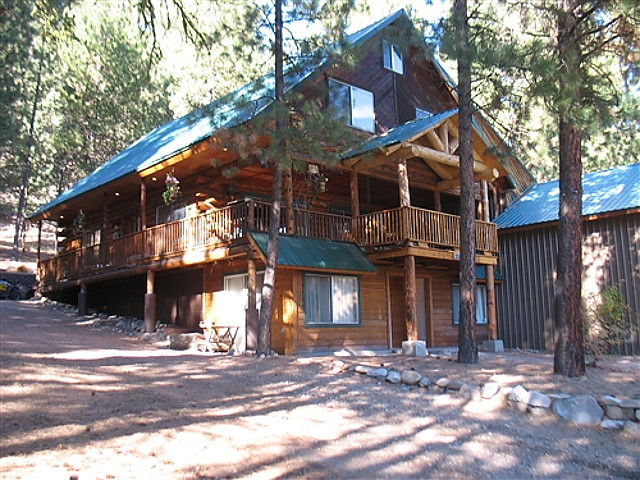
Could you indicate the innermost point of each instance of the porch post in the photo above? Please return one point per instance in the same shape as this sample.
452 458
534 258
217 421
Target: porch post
252 310
143 205
105 232
437 202
495 344
150 304
355 200
82 300
412 347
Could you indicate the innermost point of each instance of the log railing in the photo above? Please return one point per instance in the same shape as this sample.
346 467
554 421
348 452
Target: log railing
232 223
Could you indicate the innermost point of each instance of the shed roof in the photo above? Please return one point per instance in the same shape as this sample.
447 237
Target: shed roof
315 253
606 191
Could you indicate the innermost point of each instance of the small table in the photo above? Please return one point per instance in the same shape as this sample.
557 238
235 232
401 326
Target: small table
219 338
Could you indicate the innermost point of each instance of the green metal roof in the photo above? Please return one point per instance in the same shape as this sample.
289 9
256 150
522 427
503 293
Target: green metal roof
315 253
231 110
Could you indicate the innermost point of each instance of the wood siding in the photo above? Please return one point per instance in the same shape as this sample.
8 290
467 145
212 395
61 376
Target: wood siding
528 263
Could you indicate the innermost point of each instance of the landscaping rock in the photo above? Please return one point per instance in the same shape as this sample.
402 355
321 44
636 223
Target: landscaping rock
489 390
631 403
637 415
519 394
608 400
583 410
612 424
443 382
614 412
394 377
455 385
362 369
378 372
538 411
537 399
631 428
472 392
424 382
410 377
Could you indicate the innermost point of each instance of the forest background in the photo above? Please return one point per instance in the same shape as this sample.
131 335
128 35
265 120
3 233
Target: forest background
77 88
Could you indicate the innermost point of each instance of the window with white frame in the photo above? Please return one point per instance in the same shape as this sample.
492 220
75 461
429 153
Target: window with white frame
353 103
481 304
392 57
331 299
239 283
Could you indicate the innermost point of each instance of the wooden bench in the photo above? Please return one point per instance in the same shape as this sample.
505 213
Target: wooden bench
219 338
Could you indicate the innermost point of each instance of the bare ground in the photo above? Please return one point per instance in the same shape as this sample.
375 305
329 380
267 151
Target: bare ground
79 402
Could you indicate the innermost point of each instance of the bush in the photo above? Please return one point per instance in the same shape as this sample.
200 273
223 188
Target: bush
605 325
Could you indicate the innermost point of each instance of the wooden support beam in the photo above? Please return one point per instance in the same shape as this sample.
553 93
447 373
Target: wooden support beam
455 182
143 204
490 274
443 133
150 303
448 159
411 304
403 184
435 141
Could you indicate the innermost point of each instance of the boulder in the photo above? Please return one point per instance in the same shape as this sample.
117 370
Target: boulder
609 424
609 400
443 382
583 410
472 392
614 412
519 394
410 377
455 385
537 399
489 390
424 382
394 377
378 372
362 369
631 428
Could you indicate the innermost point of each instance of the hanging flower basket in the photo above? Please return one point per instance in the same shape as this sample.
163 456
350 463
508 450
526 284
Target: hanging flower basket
172 190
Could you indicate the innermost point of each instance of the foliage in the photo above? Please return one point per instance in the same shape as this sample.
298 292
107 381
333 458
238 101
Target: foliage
606 328
172 189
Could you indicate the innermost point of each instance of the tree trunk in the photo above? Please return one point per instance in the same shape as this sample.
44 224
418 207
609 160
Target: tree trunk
26 161
467 347
268 288
569 352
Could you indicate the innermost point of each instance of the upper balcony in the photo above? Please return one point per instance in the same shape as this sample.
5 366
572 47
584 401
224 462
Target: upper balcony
223 232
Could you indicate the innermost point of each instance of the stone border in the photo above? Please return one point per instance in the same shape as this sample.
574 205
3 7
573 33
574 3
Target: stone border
607 412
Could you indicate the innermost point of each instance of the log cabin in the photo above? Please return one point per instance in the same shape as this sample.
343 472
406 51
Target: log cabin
369 250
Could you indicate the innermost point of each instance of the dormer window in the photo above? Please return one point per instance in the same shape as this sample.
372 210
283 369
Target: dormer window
392 57
353 103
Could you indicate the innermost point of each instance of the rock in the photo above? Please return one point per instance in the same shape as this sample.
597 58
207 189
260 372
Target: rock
394 377
537 399
472 392
519 394
378 372
362 369
489 390
538 411
614 412
583 410
612 424
631 403
410 377
443 382
606 400
631 428
637 415
339 364
424 382
455 385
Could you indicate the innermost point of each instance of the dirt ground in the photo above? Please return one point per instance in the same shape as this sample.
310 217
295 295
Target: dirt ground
81 402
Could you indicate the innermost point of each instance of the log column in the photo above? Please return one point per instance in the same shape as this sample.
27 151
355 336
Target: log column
143 205
38 255
411 304
82 300
252 310
490 274
287 180
150 304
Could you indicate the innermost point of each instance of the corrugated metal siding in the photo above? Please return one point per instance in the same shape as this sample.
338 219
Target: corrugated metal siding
528 262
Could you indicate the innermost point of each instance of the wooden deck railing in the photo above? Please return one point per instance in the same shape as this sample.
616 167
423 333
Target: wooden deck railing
232 224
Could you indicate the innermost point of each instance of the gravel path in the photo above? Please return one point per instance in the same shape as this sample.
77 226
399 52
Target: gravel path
80 402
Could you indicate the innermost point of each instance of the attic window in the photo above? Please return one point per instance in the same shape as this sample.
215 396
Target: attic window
392 57
352 103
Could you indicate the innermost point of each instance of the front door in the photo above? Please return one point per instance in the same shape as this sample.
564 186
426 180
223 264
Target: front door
397 299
